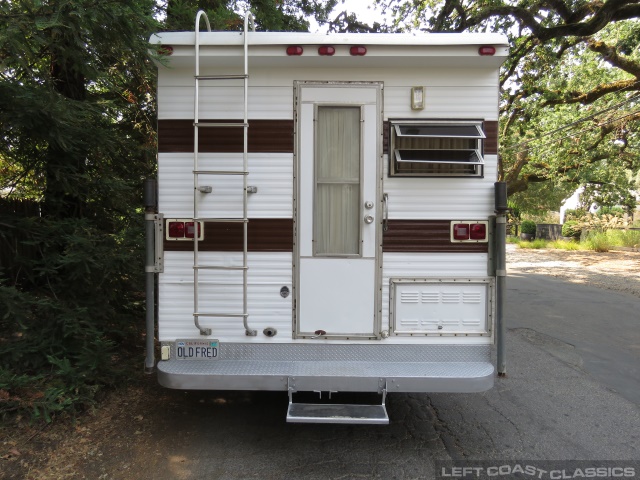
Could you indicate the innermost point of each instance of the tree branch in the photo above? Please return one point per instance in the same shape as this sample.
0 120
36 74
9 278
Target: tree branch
610 54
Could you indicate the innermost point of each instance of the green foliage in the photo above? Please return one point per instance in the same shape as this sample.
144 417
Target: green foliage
528 226
564 245
570 88
574 214
270 15
597 241
536 244
615 211
624 238
572 229
77 129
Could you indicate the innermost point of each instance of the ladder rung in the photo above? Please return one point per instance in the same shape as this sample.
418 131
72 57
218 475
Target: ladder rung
221 315
220 172
218 267
220 124
221 77
222 220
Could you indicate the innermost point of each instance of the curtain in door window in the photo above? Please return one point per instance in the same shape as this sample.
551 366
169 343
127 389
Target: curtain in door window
337 195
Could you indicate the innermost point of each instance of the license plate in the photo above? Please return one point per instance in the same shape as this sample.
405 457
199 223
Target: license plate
197 349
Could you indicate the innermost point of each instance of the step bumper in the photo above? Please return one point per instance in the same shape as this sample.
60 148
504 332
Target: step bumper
457 369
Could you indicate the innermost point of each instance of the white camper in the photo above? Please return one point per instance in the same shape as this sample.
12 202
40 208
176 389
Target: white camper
326 214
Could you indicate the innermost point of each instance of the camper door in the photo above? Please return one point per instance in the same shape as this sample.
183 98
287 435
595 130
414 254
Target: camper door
337 209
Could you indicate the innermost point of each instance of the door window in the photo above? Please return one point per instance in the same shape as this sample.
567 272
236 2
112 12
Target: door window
337 182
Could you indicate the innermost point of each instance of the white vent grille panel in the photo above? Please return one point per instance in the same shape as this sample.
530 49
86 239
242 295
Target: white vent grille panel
440 307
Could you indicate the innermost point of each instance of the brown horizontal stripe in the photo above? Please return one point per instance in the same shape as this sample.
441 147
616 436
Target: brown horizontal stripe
425 236
263 235
264 136
491 142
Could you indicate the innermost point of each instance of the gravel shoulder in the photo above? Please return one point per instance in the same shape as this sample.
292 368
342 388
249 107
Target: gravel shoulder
614 270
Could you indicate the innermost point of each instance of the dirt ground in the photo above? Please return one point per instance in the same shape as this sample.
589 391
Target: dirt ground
106 442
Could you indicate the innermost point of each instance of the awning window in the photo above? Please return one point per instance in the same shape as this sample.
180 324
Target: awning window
423 148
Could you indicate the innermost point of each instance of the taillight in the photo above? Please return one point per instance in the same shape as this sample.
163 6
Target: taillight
176 230
469 231
190 229
358 51
183 229
294 50
478 231
461 231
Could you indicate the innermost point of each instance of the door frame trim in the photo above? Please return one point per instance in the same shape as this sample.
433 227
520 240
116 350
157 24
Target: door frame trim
299 85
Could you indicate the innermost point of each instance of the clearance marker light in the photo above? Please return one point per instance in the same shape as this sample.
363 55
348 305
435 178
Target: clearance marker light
358 51
487 50
294 50
326 50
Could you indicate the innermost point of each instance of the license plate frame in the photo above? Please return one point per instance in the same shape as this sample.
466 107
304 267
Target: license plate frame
201 350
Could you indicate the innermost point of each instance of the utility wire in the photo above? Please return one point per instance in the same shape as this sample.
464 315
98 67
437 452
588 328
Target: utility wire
576 122
598 125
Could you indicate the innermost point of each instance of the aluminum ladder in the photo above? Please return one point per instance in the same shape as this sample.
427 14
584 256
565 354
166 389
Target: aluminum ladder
198 190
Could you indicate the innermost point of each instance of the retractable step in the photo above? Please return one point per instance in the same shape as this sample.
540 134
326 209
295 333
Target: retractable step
337 413
349 413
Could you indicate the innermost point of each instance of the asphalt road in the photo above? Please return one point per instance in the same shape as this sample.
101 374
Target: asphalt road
571 393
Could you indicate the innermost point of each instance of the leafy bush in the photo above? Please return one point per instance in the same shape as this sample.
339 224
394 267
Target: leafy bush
70 319
572 229
528 226
614 211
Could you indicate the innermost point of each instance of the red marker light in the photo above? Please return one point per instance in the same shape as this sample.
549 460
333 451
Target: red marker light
294 50
487 50
165 50
358 51
326 50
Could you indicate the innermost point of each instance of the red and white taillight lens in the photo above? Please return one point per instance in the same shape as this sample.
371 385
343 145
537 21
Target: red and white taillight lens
469 231
183 229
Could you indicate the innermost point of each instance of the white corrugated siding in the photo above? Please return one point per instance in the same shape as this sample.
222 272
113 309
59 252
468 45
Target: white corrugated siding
272 173
431 265
465 93
450 93
221 292
442 198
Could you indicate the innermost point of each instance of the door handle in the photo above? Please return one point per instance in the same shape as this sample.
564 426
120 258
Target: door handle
368 219
385 214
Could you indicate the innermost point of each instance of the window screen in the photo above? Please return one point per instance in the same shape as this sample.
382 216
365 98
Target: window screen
436 149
